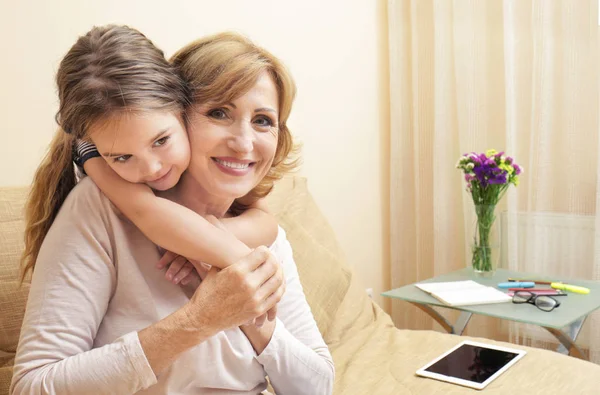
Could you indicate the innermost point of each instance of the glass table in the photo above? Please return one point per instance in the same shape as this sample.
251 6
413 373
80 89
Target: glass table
564 322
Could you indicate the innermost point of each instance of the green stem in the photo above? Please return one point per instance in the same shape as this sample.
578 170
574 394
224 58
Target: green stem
482 250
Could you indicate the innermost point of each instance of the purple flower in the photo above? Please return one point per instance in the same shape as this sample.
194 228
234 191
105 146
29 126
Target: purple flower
488 173
498 179
485 161
487 178
517 169
481 174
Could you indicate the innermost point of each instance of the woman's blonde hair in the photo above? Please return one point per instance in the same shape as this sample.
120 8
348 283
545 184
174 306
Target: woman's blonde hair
111 69
221 68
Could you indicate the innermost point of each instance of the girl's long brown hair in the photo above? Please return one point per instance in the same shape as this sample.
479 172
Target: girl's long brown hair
111 69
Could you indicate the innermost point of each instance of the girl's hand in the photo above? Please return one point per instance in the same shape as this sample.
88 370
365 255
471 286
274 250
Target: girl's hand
180 270
201 268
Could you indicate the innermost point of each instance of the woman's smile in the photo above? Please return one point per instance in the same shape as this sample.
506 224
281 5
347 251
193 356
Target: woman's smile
233 166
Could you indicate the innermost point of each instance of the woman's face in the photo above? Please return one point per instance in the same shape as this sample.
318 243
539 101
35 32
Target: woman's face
233 144
150 147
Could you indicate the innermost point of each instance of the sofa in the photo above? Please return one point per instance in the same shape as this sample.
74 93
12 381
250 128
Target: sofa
370 354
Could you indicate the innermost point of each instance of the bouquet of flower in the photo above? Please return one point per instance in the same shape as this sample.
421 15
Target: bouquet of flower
488 176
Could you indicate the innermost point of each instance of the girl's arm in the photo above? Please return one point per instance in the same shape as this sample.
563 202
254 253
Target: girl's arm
173 226
254 227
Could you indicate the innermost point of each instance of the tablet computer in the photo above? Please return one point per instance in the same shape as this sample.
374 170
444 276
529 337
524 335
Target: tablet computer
472 364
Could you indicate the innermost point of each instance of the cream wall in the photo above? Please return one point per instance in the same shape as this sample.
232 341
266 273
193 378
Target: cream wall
336 50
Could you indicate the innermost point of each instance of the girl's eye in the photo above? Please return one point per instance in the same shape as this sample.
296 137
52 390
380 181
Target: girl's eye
264 121
161 141
217 113
121 159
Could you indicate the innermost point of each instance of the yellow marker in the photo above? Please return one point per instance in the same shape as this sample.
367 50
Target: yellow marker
570 288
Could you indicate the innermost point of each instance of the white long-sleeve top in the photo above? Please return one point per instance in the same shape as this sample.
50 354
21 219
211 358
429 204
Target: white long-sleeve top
95 286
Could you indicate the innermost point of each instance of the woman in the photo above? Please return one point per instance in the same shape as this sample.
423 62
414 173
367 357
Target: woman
101 319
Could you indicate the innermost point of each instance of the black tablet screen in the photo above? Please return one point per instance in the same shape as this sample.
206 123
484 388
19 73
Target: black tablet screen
472 363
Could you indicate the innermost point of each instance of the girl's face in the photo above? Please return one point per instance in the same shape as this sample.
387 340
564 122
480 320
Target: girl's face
233 144
147 147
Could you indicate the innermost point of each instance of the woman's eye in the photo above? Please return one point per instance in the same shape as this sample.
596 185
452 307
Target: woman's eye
161 141
121 159
217 113
264 121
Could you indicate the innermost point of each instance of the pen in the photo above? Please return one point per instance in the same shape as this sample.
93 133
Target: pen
570 288
513 284
535 281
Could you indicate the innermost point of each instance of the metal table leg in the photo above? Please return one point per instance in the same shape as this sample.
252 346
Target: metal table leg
567 337
457 329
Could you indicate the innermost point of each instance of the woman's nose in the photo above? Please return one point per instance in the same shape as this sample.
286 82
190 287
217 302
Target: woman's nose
242 139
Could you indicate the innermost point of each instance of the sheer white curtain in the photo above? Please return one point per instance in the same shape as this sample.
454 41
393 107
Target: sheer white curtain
519 76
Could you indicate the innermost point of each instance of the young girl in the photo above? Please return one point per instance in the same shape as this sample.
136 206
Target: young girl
110 73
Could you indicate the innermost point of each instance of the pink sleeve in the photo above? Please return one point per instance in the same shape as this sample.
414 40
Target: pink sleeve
70 290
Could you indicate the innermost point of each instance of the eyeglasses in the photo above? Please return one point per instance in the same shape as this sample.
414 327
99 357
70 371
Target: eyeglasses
542 302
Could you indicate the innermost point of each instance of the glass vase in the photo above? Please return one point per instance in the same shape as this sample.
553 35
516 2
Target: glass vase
485 247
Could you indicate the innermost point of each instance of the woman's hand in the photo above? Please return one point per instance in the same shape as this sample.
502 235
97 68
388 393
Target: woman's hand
272 313
239 293
225 299
203 268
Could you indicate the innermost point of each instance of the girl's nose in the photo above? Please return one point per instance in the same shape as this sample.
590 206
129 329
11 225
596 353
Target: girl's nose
152 169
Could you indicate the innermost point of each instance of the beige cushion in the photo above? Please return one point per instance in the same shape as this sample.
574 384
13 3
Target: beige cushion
13 297
12 201
317 254
5 377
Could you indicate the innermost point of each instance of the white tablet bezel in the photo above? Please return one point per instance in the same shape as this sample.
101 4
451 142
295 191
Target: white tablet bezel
424 373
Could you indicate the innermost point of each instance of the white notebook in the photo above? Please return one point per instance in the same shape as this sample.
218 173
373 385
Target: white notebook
464 293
